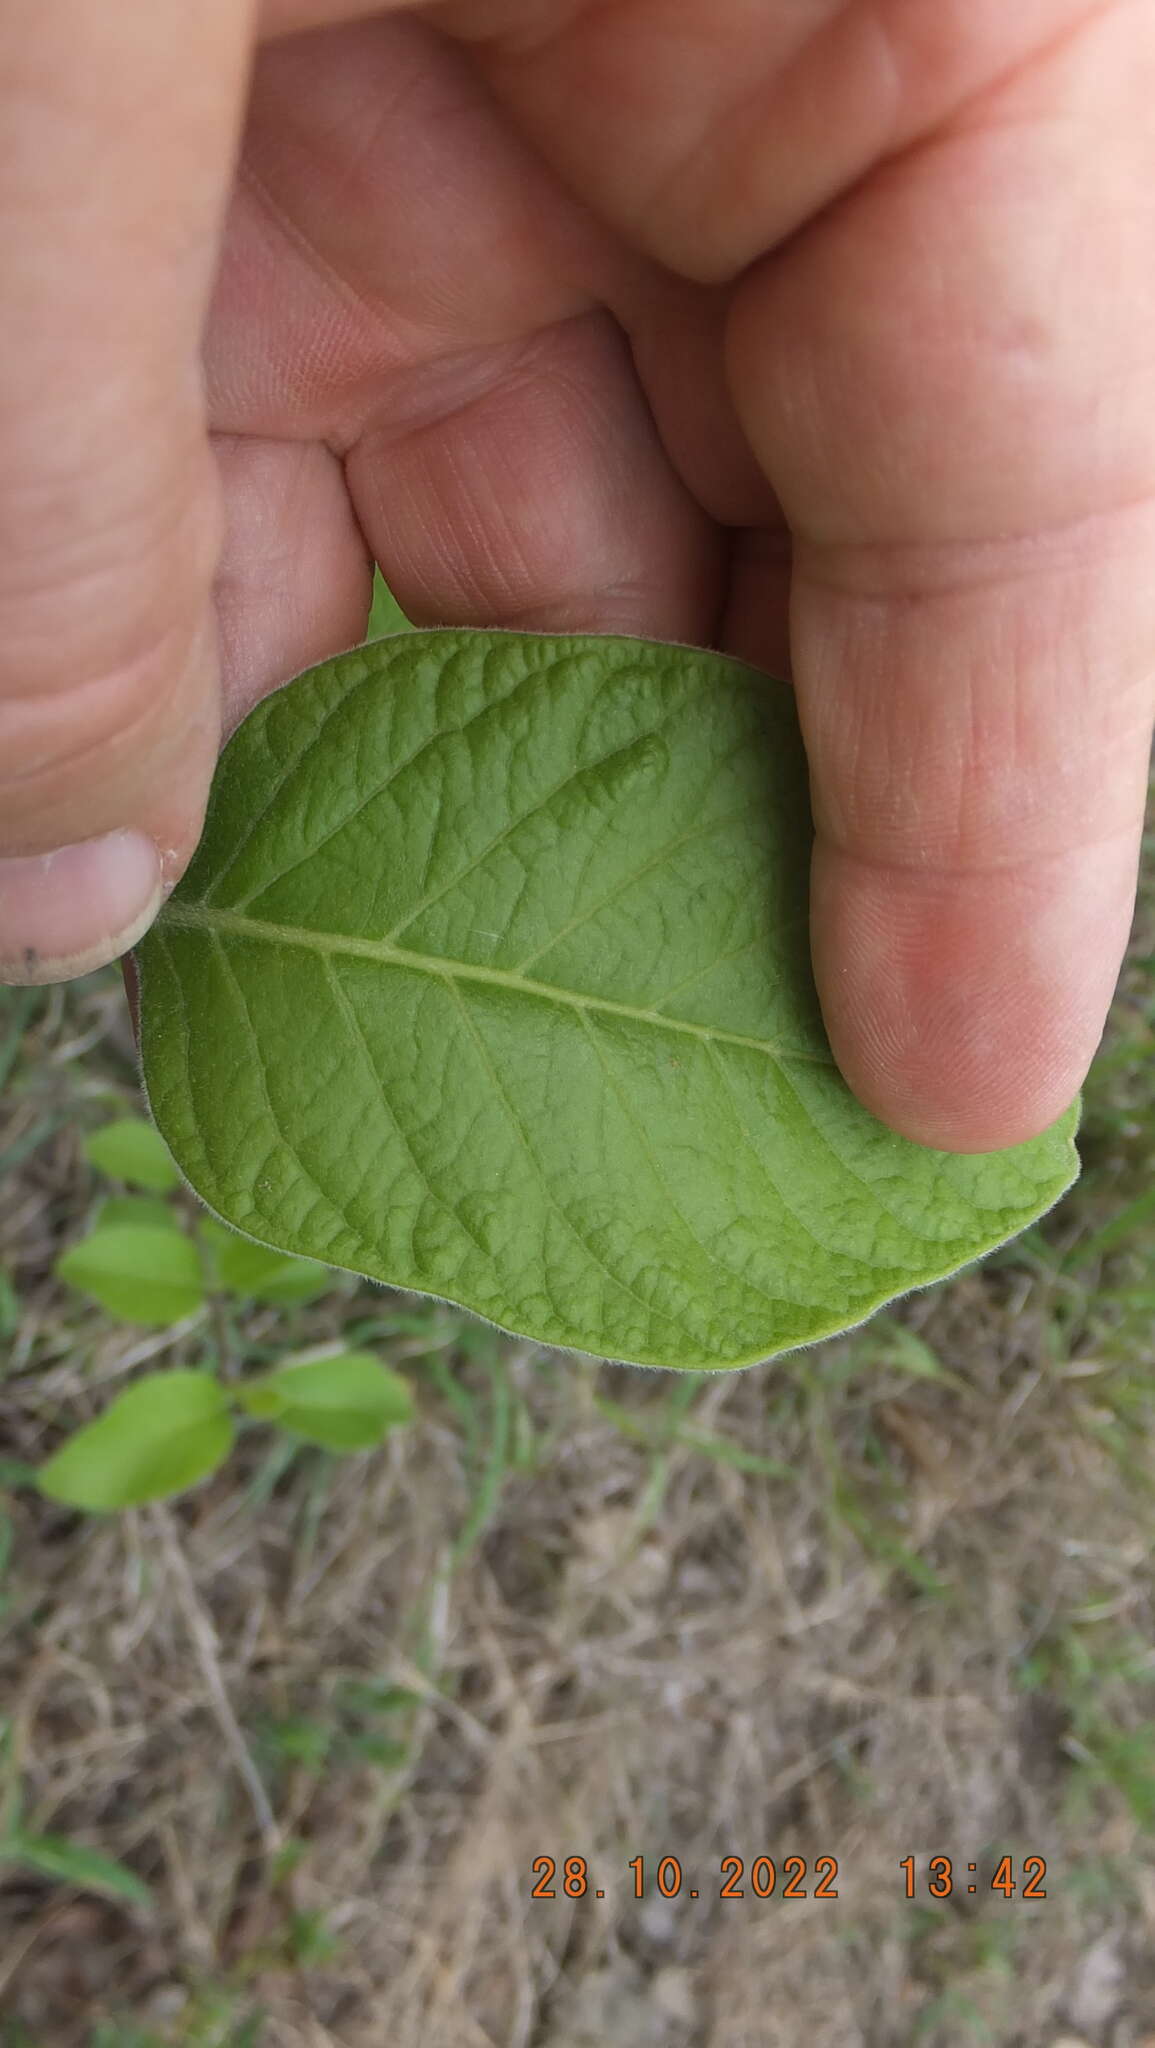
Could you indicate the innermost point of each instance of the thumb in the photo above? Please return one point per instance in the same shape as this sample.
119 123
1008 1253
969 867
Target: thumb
949 378
118 136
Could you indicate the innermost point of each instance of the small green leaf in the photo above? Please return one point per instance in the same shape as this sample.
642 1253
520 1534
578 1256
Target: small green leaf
71 1863
137 1271
385 614
134 1151
255 1273
148 1210
491 979
161 1435
345 1403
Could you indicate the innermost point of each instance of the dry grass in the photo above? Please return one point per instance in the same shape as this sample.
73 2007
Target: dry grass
333 1711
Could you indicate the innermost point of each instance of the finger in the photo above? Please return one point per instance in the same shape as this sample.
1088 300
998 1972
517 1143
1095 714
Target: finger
710 132
756 620
544 502
118 137
677 336
501 458
950 379
295 579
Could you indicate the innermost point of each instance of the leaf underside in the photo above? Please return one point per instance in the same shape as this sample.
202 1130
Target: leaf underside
490 980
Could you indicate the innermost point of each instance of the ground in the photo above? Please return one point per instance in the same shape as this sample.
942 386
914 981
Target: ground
888 1598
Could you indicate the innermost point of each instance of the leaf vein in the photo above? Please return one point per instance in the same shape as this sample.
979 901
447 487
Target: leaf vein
872 1187
760 1163
774 1301
540 804
396 769
353 1022
627 882
252 827
195 916
763 938
650 1308
323 1199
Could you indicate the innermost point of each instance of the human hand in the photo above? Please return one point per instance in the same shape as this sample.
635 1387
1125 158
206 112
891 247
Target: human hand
826 335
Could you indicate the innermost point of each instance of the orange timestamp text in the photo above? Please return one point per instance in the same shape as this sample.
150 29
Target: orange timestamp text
942 1881
794 1877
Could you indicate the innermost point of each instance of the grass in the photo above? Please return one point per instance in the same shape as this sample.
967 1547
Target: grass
891 1597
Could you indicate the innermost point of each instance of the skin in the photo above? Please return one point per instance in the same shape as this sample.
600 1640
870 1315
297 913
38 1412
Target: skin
819 330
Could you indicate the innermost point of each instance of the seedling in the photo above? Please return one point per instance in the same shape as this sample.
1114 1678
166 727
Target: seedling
170 1429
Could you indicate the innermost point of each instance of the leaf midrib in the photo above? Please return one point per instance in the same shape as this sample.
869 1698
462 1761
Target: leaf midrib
212 918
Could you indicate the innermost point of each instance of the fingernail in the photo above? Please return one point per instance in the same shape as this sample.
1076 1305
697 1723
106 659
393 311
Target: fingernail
63 913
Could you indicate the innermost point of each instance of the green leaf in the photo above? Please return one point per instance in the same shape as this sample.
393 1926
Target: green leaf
255 1273
345 1403
140 1272
70 1862
145 1209
132 1150
385 614
491 980
160 1436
